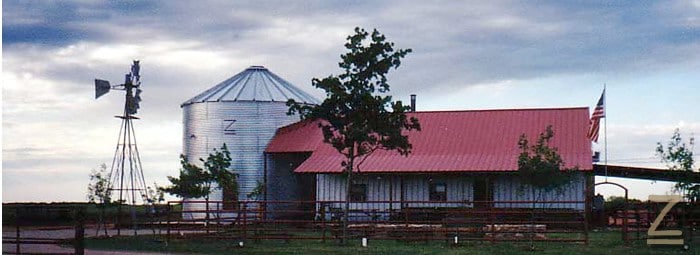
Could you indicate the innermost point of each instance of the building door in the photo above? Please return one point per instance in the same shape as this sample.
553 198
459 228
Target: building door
482 192
307 192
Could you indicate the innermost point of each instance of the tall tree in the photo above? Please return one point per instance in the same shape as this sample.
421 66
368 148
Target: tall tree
678 156
357 116
541 169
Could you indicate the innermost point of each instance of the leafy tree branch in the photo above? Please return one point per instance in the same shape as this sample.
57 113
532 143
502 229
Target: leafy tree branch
678 156
195 182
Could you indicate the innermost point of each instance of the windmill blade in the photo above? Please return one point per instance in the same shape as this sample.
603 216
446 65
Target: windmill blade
138 95
101 87
135 69
133 101
132 105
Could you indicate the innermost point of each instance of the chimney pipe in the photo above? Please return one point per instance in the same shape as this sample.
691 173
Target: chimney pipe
413 102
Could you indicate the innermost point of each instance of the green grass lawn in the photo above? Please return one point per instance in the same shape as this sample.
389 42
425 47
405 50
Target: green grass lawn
600 243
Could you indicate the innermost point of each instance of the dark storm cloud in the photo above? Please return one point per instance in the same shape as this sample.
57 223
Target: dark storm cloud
489 43
456 44
59 23
40 34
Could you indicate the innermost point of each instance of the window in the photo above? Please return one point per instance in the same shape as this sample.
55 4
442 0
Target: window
358 193
438 191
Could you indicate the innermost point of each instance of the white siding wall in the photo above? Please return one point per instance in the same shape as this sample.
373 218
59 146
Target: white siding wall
458 188
332 187
509 188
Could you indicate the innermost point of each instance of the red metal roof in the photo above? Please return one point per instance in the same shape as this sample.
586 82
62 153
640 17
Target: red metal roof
452 141
303 136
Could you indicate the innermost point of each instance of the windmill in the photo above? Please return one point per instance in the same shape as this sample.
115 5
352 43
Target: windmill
126 174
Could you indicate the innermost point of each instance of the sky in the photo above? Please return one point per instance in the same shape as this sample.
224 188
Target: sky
466 55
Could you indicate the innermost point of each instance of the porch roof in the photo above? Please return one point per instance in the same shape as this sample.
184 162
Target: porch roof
452 141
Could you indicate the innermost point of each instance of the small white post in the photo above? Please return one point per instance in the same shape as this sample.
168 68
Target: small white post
364 242
456 240
240 244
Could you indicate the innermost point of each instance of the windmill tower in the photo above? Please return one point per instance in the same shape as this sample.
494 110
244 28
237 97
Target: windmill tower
126 174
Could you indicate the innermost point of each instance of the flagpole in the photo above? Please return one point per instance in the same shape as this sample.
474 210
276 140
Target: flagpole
605 105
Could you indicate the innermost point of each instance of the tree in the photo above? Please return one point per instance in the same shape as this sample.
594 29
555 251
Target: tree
617 203
190 183
100 192
257 192
154 195
540 166
678 156
217 167
98 189
358 118
195 182
541 169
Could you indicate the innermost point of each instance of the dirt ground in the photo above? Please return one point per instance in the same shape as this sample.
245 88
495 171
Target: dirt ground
62 233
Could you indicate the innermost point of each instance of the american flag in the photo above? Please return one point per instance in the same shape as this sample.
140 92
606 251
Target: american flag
598 113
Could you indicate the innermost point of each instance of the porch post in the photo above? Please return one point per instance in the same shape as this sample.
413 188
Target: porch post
264 203
391 195
403 191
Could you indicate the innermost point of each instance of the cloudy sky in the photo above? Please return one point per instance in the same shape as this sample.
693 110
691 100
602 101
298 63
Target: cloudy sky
472 55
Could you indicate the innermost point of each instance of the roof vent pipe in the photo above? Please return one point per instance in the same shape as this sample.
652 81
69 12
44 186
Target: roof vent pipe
413 102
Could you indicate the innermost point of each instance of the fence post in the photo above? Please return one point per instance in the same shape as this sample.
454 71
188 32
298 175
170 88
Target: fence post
79 244
586 218
206 217
684 228
638 219
264 211
18 250
691 229
491 228
625 227
245 220
219 208
323 221
167 219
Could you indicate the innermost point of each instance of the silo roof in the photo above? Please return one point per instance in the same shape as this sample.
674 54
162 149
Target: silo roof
255 83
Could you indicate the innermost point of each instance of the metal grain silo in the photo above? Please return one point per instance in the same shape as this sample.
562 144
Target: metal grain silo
243 112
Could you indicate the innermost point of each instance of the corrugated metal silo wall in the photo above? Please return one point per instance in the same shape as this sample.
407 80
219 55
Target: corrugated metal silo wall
245 126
